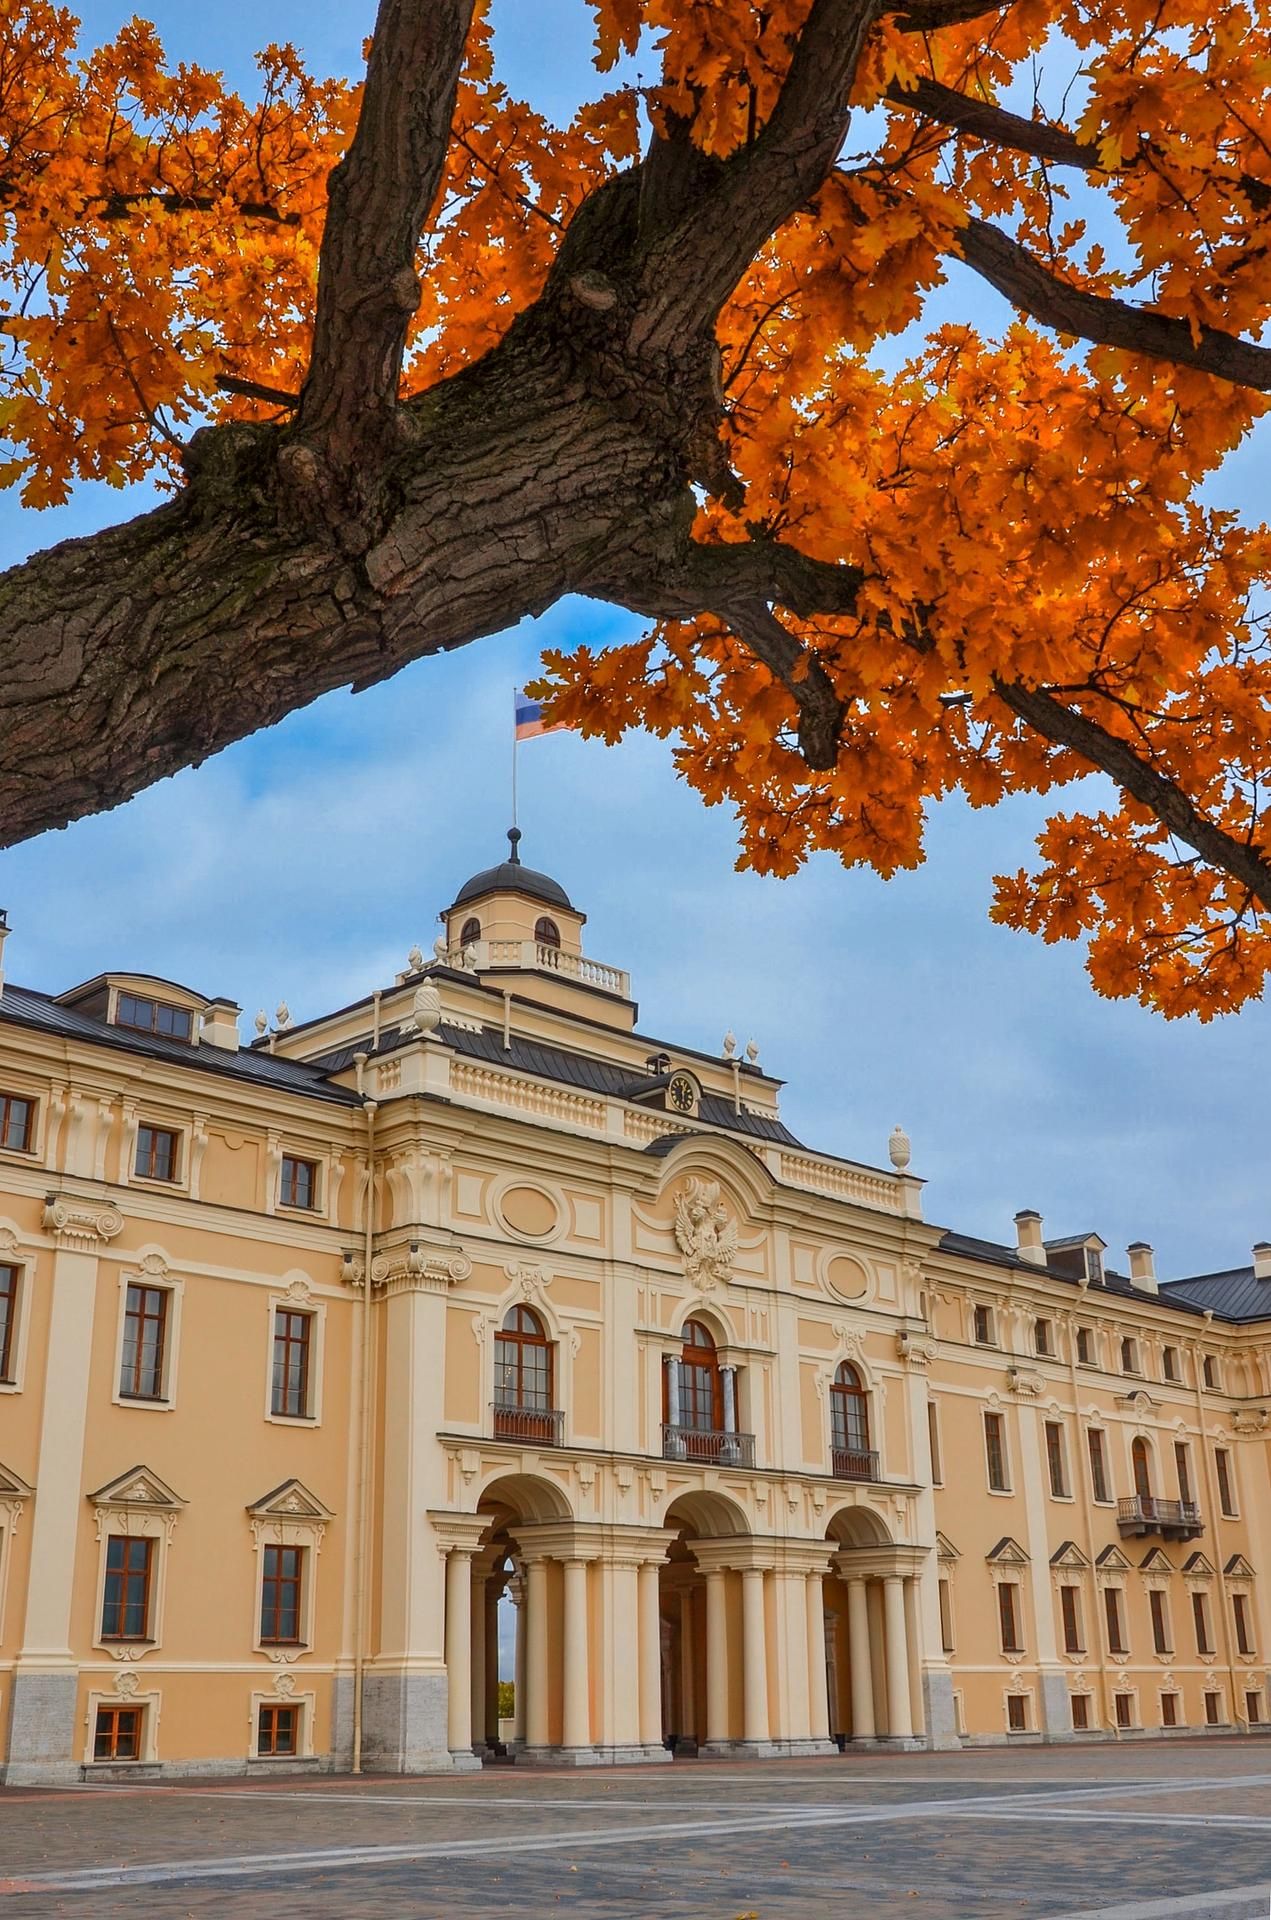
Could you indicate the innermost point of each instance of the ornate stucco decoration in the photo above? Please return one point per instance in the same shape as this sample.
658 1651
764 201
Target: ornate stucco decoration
289 1515
913 1349
704 1234
1024 1381
137 1492
420 1269
1247 1421
79 1222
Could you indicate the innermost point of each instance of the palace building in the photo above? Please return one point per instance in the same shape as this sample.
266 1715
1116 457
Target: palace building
323 1357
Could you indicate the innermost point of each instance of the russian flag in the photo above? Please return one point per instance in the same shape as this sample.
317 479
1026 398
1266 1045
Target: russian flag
529 719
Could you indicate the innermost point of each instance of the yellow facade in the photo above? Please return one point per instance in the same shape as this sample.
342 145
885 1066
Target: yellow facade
763 1461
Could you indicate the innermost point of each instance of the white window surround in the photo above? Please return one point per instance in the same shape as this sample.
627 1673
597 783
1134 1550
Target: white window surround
135 1117
14 1252
1017 1692
278 1148
138 1505
126 1696
14 1492
288 1516
282 1696
1008 1491
151 1271
37 1092
297 1297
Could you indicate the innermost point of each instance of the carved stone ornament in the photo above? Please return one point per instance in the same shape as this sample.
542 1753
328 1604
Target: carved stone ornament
127 1682
285 1684
79 1222
918 1352
425 1012
704 1234
1023 1381
421 1269
1249 1420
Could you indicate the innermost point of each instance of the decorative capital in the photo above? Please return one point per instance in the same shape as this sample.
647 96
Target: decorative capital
414 1269
1249 1420
1023 1381
79 1222
916 1351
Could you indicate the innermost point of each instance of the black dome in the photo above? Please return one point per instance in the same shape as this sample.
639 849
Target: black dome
511 877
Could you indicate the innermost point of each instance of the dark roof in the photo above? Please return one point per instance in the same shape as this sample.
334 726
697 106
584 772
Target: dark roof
994 1255
511 877
545 1062
1235 1294
23 1007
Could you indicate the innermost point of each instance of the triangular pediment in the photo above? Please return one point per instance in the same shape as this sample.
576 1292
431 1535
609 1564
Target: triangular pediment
1114 1558
12 1485
945 1549
139 1487
1069 1554
1238 1568
1007 1553
291 1501
1197 1563
1157 1561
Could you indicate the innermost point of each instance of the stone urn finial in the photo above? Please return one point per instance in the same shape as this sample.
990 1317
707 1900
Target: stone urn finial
898 1148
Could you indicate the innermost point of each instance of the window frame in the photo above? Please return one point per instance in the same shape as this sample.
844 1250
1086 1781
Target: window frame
995 1425
547 932
520 1340
1216 1718
849 1400
10 1097
1087 1355
1242 1625
1210 1376
1130 1355
1254 1703
1114 1619
1096 1446
278 1580
314 1205
1071 1617
1043 1345
175 1178
1058 1477
112 1637
1017 1702
148 1704
1123 1710
934 1449
1082 1726
297 1298
1202 1624
305 1706
1183 1471
152 1029
1162 1625
1170 1370
944 1601
1171 1720
13 1291
1009 1616
1224 1474
983 1325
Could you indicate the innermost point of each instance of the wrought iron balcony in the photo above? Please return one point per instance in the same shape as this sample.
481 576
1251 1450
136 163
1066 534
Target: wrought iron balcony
1142 1513
542 1426
853 1463
708 1447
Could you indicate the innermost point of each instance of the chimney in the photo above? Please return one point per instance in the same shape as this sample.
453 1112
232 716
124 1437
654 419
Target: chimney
1262 1260
220 1025
4 935
1028 1235
1143 1265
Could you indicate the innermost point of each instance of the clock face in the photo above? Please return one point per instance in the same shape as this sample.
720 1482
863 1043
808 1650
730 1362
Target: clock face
682 1094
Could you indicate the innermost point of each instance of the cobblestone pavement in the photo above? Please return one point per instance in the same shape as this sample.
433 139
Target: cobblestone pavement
1142 1832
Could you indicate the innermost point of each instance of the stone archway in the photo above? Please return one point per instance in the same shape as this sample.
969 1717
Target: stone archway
700 1697
873 1674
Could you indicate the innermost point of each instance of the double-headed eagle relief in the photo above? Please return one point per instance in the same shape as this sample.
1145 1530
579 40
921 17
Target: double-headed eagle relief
705 1235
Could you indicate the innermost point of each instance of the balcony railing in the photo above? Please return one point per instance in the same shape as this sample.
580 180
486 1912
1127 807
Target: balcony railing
853 1463
708 1447
1142 1513
542 1426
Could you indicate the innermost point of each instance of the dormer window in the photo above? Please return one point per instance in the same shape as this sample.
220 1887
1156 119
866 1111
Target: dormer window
471 931
141 1015
1094 1266
546 932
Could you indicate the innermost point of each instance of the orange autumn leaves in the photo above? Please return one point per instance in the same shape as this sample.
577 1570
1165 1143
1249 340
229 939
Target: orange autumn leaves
1024 510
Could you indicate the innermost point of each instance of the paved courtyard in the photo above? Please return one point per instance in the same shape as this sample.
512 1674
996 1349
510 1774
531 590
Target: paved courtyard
1127 1833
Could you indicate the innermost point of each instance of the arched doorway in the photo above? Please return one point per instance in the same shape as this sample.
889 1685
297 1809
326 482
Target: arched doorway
873 1675
700 1605
509 1644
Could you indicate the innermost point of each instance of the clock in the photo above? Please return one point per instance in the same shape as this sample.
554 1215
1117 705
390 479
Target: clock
682 1094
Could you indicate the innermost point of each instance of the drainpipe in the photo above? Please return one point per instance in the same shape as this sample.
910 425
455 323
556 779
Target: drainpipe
375 1020
363 1517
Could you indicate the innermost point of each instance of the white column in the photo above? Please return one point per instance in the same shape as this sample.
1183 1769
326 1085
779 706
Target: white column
493 1591
626 1673
818 1692
477 1587
899 1723
728 1377
754 1655
650 1657
716 1657
536 1723
673 1389
687 1727
520 1661
861 1676
913 1636
459 1650
577 1674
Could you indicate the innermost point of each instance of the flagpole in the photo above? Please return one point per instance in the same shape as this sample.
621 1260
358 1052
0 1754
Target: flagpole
514 822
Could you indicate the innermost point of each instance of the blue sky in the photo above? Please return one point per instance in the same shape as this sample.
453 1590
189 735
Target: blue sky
304 863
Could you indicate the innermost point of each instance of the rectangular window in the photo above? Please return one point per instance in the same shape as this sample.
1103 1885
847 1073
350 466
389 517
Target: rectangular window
280 1596
1160 1622
292 1346
1098 1465
983 1327
1124 1704
1240 1608
157 1149
1094 1266
299 1183
1200 1618
1183 1467
1211 1372
1085 1347
8 1321
1017 1713
1070 1608
153 1016
117 1733
1213 1709
278 1730
1129 1356
1008 1616
1041 1337
946 1617
1169 1366
1226 1493
17 1123
1253 1708
933 1436
1169 1709
995 1452
1081 1712
1055 1460
126 1596
1112 1613
145 1338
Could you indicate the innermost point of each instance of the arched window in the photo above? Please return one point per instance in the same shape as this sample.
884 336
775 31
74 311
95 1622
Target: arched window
849 1419
701 1390
471 931
1140 1461
523 1357
546 932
